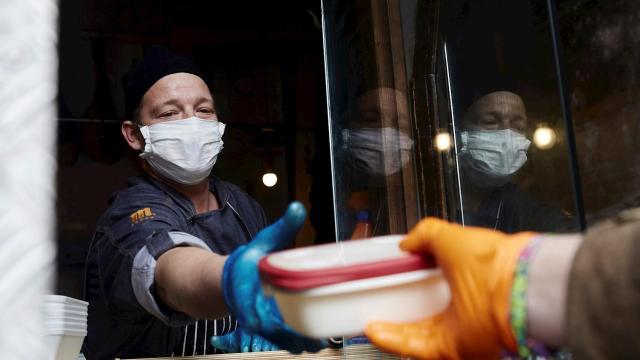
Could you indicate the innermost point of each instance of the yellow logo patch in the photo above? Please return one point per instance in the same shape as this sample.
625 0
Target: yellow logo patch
141 215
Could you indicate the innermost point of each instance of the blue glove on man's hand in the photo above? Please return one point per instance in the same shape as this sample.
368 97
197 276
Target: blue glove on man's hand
241 341
242 289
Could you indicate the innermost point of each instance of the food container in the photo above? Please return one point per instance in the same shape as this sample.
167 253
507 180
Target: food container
56 310
65 343
337 289
67 301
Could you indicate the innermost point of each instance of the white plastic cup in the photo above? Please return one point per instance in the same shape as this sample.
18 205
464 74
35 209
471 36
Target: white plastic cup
57 327
78 319
58 308
61 299
65 344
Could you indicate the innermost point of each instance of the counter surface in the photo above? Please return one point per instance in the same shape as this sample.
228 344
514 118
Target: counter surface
365 351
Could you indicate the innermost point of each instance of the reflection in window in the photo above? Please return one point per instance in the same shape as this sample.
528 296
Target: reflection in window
493 149
372 137
374 151
502 88
445 108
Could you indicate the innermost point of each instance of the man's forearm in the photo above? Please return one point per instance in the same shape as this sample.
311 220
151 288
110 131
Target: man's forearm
188 279
548 287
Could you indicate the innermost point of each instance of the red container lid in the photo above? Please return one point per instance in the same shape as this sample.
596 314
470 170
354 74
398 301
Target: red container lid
310 267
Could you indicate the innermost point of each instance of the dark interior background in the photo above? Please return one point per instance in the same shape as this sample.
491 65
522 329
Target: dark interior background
507 43
601 51
264 65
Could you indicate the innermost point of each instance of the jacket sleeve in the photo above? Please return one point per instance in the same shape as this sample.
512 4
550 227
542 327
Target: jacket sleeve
126 255
603 308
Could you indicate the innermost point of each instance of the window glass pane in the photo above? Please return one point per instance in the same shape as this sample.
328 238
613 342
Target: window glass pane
509 168
369 51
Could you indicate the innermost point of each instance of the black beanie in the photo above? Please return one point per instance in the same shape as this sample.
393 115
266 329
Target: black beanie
157 63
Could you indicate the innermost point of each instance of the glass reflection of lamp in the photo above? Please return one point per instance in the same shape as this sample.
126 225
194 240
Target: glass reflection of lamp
544 137
443 141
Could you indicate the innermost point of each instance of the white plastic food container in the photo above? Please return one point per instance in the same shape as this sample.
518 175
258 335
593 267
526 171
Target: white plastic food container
337 289
65 343
65 300
66 326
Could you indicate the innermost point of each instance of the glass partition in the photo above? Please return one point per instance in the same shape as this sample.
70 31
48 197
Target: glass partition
450 109
509 166
372 140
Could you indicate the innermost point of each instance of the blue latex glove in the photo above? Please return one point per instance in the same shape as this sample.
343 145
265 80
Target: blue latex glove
256 313
241 341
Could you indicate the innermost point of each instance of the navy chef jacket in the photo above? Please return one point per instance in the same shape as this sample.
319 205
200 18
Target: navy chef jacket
126 318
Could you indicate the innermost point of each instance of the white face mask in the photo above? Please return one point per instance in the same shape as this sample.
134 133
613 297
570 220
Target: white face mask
183 150
492 157
369 147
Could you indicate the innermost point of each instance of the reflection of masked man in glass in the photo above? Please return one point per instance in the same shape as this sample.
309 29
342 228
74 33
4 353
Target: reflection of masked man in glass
493 147
374 149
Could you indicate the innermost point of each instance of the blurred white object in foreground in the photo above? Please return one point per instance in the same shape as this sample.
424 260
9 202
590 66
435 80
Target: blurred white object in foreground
28 71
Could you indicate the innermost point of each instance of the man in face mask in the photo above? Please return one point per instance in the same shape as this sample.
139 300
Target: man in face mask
159 281
493 148
375 147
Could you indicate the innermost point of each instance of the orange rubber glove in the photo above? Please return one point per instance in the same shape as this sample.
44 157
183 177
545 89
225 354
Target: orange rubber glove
479 265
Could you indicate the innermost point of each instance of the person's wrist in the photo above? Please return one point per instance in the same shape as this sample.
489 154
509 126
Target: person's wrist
548 288
227 282
505 265
518 301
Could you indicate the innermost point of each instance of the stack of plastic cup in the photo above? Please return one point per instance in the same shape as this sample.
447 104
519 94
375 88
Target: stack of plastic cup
66 325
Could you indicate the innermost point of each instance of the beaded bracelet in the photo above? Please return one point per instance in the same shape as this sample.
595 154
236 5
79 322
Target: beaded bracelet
526 347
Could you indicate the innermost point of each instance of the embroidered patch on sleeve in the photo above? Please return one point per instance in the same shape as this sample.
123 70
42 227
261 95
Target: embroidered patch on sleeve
141 215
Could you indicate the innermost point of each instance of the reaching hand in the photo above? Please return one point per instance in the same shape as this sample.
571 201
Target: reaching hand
241 341
243 294
479 266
